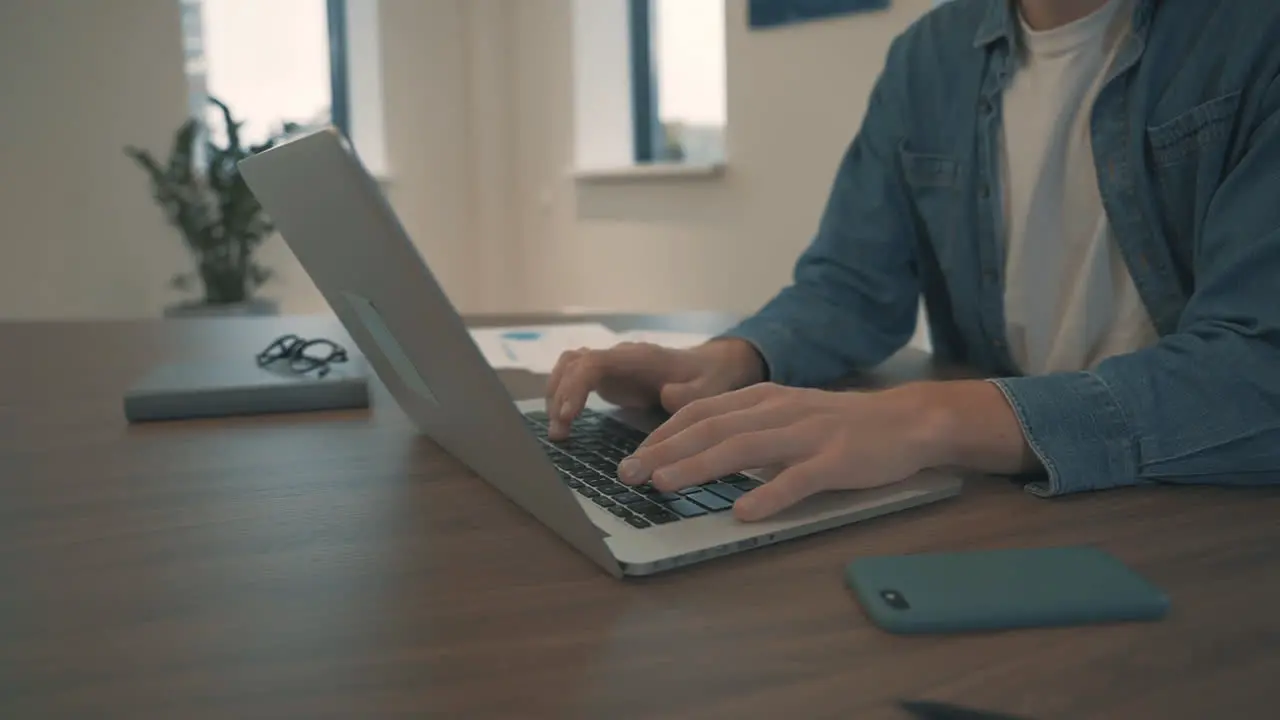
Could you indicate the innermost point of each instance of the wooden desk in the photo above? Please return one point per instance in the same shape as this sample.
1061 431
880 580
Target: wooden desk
342 566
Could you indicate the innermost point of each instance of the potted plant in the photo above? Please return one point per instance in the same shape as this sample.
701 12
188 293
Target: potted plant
221 221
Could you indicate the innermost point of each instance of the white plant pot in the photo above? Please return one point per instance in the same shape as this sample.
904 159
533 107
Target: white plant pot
253 307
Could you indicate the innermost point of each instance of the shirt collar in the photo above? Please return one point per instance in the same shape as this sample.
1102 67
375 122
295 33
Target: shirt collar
1001 21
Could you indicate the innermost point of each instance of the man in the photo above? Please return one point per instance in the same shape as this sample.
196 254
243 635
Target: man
1087 195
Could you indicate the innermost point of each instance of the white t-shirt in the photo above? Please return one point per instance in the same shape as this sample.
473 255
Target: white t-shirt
1069 298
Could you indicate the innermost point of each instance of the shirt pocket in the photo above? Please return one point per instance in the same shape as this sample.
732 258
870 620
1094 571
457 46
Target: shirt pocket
1189 155
931 182
1184 137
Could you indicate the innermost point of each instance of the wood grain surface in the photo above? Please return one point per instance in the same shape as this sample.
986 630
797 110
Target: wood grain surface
341 565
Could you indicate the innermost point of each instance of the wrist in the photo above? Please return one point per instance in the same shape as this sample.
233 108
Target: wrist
929 418
735 360
965 424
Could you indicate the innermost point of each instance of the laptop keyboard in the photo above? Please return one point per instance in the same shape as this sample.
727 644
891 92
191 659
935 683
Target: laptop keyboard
588 463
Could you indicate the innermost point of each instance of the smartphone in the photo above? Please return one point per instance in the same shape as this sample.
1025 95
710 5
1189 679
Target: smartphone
1001 589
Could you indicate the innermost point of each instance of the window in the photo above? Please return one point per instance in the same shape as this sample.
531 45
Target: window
649 86
678 80
270 62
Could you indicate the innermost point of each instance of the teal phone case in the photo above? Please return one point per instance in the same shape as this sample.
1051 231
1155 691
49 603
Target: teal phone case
1001 589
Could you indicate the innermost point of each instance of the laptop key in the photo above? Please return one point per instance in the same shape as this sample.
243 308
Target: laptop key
647 508
595 462
685 508
602 501
573 483
579 468
636 521
613 489
588 493
710 501
623 429
612 454
742 482
724 490
653 512
629 498
654 493
662 517
598 481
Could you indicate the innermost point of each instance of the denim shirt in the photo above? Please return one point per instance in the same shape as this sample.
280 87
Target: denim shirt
1186 142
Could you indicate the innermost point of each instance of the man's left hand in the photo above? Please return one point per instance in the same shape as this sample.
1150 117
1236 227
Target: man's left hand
817 440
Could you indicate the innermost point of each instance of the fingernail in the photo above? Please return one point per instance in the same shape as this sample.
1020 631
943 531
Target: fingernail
564 410
628 469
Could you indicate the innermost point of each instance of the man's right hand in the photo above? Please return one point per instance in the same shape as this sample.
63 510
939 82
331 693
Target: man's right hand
643 375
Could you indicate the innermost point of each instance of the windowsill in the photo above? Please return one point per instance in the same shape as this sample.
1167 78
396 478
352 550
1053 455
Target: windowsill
654 171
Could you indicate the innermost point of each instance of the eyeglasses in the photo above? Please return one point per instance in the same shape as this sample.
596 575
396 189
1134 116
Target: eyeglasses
302 355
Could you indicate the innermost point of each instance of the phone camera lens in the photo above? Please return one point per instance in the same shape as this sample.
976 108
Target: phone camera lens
895 599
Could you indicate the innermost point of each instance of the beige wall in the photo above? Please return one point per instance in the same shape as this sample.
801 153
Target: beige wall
79 235
795 99
479 139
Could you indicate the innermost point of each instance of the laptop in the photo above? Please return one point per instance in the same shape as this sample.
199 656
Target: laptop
338 223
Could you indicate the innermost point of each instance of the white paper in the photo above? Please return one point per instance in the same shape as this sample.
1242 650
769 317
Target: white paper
665 338
536 348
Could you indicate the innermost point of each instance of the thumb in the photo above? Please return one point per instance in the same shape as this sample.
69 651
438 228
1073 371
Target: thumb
676 395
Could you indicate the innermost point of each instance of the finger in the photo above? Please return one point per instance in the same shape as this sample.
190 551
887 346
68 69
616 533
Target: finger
567 359
743 451
700 410
790 487
572 390
698 438
674 396
583 376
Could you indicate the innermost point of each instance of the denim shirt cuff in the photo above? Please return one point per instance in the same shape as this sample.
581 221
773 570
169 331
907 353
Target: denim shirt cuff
1076 428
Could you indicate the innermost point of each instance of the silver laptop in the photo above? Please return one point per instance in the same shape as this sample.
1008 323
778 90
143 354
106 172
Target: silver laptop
335 218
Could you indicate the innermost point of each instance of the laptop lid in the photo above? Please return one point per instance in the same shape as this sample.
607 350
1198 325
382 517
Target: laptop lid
334 217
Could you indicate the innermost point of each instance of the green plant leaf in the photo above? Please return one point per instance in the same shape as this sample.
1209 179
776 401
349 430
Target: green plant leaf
232 127
221 221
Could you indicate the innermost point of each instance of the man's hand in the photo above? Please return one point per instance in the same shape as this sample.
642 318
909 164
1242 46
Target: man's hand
820 440
644 375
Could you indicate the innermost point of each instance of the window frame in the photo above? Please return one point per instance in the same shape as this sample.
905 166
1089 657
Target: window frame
646 121
619 133
339 82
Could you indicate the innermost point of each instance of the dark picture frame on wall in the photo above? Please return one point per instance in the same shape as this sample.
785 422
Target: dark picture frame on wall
778 13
